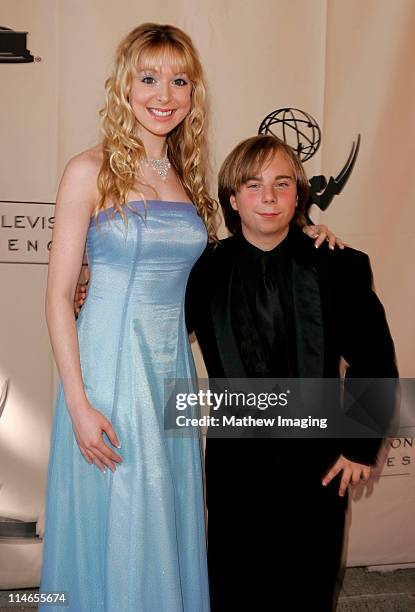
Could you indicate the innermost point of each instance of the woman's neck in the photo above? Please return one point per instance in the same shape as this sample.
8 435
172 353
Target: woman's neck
155 146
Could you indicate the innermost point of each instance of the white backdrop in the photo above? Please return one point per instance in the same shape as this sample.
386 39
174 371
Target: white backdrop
346 62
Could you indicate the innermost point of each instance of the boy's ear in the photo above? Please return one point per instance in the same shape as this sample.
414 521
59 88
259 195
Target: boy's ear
232 200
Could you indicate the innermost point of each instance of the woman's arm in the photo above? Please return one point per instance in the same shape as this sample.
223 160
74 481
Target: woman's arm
76 198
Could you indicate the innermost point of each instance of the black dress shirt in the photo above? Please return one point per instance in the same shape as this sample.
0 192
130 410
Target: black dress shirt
282 360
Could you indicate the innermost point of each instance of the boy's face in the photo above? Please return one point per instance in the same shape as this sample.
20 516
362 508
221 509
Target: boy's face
266 202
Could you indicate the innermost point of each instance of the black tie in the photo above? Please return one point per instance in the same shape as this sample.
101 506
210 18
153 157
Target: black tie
270 314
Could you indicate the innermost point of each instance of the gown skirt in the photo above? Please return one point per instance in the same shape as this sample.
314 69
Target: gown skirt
132 541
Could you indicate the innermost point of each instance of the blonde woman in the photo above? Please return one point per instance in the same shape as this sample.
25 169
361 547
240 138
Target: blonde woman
129 536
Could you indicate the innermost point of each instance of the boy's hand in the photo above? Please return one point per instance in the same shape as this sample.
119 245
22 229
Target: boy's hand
81 292
352 473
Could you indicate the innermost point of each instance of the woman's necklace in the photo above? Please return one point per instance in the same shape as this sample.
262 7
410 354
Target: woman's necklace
161 166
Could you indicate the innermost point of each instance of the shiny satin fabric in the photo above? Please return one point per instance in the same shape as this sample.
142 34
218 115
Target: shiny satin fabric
133 540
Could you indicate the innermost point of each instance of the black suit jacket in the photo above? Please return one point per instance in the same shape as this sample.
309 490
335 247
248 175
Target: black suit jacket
336 314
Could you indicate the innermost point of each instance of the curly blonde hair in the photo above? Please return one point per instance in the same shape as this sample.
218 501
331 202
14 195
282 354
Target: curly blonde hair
123 150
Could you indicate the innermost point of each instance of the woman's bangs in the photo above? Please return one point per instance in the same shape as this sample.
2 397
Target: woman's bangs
157 55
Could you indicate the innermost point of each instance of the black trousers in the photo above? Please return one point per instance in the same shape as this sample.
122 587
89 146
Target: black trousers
275 534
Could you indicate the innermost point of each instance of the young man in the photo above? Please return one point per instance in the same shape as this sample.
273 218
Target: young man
265 303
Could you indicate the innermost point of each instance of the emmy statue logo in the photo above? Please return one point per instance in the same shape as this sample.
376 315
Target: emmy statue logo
302 133
3 395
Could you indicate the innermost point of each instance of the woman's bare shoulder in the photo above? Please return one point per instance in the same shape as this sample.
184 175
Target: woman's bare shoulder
79 180
86 164
81 174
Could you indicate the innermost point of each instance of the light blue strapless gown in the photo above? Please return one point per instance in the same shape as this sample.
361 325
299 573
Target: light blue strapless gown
133 541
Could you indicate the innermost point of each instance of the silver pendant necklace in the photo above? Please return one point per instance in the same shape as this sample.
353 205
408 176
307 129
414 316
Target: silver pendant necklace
161 166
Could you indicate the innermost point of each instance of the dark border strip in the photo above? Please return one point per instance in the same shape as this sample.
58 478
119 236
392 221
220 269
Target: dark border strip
403 474
27 263
26 202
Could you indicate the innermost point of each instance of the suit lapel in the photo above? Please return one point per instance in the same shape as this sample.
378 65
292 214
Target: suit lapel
221 317
240 347
308 313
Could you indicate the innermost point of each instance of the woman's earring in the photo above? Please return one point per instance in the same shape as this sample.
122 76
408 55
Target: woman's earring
296 202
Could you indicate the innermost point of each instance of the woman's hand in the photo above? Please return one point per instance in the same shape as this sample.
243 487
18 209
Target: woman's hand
321 233
89 425
81 291
79 297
